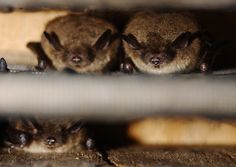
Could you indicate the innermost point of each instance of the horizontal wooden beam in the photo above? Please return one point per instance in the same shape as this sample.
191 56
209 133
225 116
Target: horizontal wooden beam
117 97
119 4
19 28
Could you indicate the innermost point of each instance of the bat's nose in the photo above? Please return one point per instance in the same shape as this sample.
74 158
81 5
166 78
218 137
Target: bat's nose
51 140
155 60
77 59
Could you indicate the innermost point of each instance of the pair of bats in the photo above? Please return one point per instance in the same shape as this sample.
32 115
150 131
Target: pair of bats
155 43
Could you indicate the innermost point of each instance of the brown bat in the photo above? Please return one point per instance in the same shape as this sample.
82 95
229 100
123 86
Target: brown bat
50 135
162 43
45 135
81 43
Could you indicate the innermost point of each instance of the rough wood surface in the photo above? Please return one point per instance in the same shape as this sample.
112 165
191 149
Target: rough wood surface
128 157
203 4
183 131
173 156
21 159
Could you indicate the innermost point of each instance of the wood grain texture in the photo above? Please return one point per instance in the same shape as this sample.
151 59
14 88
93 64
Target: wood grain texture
173 156
183 131
129 157
19 28
203 4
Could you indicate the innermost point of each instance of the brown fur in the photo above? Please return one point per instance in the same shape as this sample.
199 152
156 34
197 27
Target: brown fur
78 32
54 127
157 29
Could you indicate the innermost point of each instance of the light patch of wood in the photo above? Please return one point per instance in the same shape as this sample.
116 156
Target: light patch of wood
19 28
183 131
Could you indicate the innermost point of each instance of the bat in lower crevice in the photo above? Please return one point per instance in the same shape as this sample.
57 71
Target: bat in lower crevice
50 135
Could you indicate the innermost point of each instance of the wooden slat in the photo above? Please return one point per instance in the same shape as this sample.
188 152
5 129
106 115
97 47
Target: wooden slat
203 4
117 97
19 28
173 156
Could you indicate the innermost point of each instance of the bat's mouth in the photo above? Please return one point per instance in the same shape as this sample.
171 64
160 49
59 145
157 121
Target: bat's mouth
40 147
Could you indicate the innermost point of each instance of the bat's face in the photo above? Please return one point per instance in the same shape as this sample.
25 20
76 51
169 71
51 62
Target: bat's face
162 43
48 135
81 56
153 56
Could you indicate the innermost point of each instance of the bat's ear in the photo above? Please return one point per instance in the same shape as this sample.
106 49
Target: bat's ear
182 41
104 40
32 125
132 41
53 40
75 127
3 65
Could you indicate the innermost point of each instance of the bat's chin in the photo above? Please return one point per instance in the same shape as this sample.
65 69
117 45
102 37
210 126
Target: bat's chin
78 65
36 147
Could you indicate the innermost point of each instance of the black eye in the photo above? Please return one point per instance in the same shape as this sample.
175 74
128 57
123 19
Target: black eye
91 54
144 55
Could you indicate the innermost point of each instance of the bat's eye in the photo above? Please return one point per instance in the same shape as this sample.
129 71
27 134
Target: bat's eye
76 59
91 54
51 140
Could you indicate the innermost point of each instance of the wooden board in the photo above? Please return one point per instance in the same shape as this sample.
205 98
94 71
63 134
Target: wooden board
173 156
183 131
128 157
203 4
19 28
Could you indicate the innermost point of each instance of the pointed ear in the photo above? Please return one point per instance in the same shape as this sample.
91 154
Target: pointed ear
32 124
104 40
182 41
53 40
75 127
132 41
3 65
